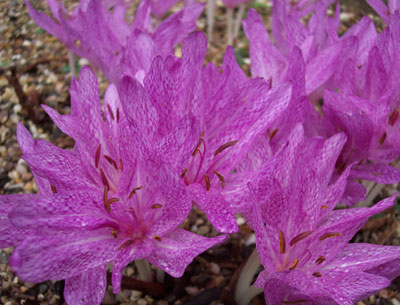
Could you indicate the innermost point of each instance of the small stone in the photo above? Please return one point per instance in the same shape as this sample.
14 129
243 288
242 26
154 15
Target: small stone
203 230
162 302
142 302
23 289
26 43
40 297
192 291
214 268
130 271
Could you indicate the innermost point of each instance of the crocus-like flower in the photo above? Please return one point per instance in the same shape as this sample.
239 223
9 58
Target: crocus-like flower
302 242
111 201
365 106
322 51
108 41
230 112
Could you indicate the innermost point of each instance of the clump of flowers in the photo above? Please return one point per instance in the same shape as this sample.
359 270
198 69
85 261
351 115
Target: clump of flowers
112 200
283 148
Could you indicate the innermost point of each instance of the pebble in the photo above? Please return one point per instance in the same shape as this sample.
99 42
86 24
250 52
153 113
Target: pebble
192 290
214 268
203 230
142 302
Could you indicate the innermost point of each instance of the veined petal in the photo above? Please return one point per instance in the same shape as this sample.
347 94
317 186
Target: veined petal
63 255
178 248
87 288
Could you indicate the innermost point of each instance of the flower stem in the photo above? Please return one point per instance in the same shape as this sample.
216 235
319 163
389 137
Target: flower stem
144 270
229 28
71 59
238 20
160 275
246 277
210 19
248 295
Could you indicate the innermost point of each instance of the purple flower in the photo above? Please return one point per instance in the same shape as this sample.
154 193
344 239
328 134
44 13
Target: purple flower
108 41
202 122
112 201
302 242
385 11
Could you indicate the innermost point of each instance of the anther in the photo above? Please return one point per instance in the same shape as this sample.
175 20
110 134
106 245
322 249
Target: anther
109 202
225 146
53 188
382 138
97 156
184 173
120 165
320 260
317 274
158 238
329 235
156 206
220 177
111 161
296 261
300 237
134 191
282 242
114 233
110 111
198 145
394 117
126 244
117 115
207 180
324 207
104 178
105 193
272 134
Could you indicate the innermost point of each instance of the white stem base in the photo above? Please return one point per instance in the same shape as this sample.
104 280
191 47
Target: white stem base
71 60
144 270
229 28
238 20
210 19
247 275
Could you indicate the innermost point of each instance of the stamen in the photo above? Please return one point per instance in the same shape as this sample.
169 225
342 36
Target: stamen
272 134
324 207
317 274
117 115
109 202
53 188
97 156
330 234
156 206
105 194
184 173
198 144
158 238
207 180
111 161
220 177
296 261
394 117
382 138
134 191
320 260
114 233
120 165
282 242
104 178
294 302
126 244
225 146
110 111
300 237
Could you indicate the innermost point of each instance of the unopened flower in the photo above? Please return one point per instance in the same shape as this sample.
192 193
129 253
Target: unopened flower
112 201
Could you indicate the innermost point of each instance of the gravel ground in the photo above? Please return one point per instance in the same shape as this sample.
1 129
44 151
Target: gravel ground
34 70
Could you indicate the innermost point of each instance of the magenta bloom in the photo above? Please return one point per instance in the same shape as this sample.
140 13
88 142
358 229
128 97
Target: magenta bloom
203 122
112 201
108 41
160 7
302 242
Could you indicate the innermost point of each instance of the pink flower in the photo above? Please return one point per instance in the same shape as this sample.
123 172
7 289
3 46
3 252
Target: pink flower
302 242
112 201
